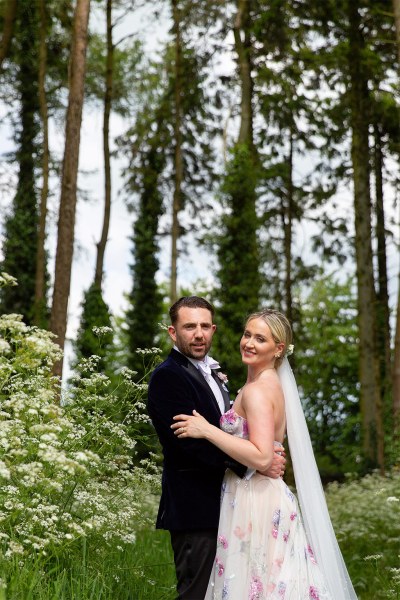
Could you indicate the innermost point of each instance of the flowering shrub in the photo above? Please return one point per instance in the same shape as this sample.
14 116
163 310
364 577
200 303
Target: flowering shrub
366 517
66 468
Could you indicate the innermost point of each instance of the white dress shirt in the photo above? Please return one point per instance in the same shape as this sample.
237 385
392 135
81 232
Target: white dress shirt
202 366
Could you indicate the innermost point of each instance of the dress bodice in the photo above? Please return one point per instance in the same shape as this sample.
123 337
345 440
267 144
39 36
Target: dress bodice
234 424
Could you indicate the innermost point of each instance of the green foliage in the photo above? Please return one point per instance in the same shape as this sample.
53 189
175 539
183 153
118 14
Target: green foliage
126 73
66 471
20 231
95 334
238 254
326 355
366 517
145 298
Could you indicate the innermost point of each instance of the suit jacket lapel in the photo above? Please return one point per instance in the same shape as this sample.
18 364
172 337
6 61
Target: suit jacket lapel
224 391
189 367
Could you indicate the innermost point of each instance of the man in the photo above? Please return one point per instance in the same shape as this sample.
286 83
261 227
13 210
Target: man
193 468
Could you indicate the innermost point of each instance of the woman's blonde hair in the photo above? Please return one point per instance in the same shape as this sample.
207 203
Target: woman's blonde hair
279 326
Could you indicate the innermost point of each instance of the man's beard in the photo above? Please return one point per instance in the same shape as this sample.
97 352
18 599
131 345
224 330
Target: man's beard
188 350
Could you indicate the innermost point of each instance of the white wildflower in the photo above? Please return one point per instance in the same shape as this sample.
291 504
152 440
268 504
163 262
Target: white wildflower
146 351
4 471
101 330
15 547
4 346
6 279
13 322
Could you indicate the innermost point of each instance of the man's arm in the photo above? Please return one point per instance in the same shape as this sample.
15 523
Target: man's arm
168 395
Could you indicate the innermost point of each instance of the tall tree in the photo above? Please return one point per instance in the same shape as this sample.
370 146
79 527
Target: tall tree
382 295
371 400
151 176
20 232
327 373
178 159
238 251
148 143
40 308
108 95
142 330
66 222
95 311
396 358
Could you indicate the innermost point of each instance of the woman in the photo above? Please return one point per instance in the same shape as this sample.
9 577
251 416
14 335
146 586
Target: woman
267 547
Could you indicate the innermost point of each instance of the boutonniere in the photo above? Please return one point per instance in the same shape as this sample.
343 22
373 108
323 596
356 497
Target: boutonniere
222 377
224 380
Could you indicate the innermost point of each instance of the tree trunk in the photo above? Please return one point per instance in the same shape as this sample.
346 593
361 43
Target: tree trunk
10 12
370 396
101 246
243 48
40 283
383 312
178 159
396 358
288 231
66 222
396 370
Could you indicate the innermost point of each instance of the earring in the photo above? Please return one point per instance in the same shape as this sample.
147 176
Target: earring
277 355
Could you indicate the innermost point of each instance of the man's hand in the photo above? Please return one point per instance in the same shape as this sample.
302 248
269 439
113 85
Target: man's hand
277 468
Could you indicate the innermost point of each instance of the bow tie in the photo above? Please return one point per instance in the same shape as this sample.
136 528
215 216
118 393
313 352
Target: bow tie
206 365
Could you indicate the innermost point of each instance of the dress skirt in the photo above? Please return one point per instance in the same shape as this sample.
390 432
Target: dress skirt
262 549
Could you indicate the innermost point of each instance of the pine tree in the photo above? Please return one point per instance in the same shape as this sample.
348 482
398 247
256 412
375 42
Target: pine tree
21 225
238 277
238 249
145 298
145 179
95 334
152 185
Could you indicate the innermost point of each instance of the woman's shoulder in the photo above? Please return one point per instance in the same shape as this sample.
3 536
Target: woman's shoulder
267 387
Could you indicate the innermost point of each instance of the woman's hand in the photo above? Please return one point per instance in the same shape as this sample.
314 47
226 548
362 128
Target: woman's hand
278 465
194 426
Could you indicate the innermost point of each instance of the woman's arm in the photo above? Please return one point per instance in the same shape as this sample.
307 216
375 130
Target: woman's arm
258 451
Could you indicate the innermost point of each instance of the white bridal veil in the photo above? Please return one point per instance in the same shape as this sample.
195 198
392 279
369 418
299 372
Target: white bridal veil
310 493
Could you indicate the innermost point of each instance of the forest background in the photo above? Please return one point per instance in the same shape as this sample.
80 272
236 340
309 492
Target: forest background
246 151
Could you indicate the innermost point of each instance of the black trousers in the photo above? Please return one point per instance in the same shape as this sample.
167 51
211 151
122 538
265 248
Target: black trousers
194 554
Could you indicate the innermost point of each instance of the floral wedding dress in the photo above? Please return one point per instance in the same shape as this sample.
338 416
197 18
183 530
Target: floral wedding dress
272 545
262 549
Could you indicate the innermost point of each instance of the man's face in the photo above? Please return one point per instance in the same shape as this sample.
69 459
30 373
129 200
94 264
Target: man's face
193 332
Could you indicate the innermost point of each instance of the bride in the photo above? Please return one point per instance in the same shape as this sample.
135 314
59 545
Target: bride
270 545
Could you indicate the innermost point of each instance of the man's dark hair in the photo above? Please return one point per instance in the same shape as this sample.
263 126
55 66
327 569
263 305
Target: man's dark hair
189 302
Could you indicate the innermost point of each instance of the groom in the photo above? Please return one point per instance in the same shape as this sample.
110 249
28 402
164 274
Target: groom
193 468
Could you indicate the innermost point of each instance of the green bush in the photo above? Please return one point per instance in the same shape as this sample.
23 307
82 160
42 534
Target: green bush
68 482
366 518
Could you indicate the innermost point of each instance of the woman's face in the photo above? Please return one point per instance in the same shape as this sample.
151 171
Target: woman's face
257 346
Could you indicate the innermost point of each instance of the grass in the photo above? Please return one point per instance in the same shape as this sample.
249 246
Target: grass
143 571
365 515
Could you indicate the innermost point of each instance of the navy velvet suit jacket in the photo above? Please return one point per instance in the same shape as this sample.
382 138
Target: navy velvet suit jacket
193 468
